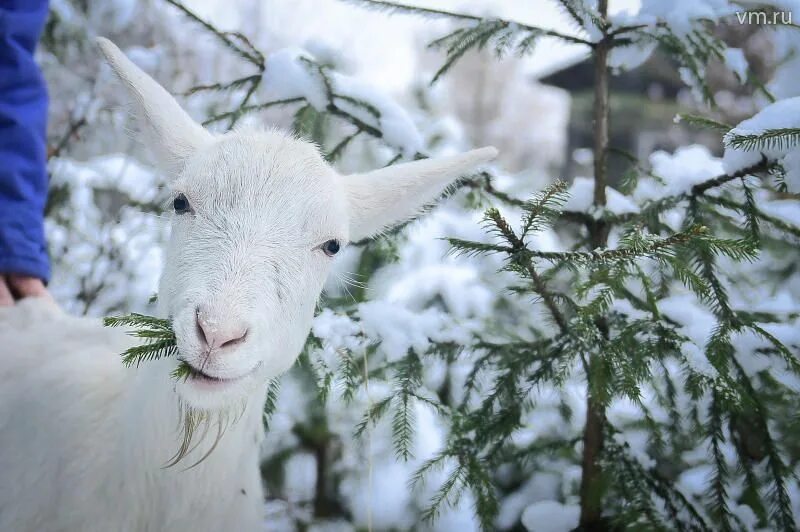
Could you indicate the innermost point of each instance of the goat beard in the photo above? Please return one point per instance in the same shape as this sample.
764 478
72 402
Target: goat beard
195 425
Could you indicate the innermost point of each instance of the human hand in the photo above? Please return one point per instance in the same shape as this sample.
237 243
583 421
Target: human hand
14 287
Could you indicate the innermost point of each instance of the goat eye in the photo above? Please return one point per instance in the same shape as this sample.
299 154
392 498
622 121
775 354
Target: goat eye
331 247
181 204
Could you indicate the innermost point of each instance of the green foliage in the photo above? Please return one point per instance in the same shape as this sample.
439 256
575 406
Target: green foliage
703 122
271 402
502 36
770 139
157 335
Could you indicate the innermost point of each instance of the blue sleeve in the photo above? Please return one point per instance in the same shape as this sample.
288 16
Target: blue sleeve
23 143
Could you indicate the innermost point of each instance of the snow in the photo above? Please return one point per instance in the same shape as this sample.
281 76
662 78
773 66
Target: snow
339 333
550 516
457 284
84 245
400 329
677 173
736 61
148 59
397 126
329 526
300 472
781 114
695 481
631 56
291 73
787 210
786 47
542 486
697 360
581 198
680 15
696 321
287 76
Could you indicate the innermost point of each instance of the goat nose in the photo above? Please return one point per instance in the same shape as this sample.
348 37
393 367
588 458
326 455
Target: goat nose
216 334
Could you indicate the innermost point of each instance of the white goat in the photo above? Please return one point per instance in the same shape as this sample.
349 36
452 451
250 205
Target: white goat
258 215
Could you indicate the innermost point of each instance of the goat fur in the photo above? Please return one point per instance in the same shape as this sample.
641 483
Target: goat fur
83 440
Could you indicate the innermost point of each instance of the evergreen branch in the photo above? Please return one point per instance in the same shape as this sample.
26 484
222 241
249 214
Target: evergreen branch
222 36
637 508
791 360
349 374
543 208
641 248
469 248
781 505
698 190
375 412
693 51
518 246
751 219
271 403
368 107
235 84
239 111
138 320
159 338
703 261
476 37
673 498
504 230
483 181
336 152
480 482
435 463
718 492
249 109
701 188
409 377
703 122
771 139
448 493
395 7
360 124
149 351
182 372
777 222
572 9
583 14
248 44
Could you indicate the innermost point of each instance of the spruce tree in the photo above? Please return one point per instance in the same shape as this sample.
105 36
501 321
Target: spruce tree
625 355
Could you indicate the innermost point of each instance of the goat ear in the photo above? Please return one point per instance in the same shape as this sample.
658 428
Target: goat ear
385 197
168 131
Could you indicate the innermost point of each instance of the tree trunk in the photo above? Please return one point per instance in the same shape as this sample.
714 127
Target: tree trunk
592 475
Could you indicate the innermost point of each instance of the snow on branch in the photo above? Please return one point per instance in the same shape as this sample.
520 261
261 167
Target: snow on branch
396 7
774 134
291 75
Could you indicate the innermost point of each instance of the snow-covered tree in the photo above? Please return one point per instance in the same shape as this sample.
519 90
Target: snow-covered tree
577 356
651 316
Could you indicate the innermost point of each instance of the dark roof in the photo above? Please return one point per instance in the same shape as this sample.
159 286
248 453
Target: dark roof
658 69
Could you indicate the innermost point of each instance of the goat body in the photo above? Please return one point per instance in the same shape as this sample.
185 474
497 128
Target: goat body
83 440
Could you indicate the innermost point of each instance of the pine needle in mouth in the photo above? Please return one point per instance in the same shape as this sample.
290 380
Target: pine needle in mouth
159 341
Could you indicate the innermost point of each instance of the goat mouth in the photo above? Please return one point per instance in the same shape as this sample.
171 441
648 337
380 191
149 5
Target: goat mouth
198 375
